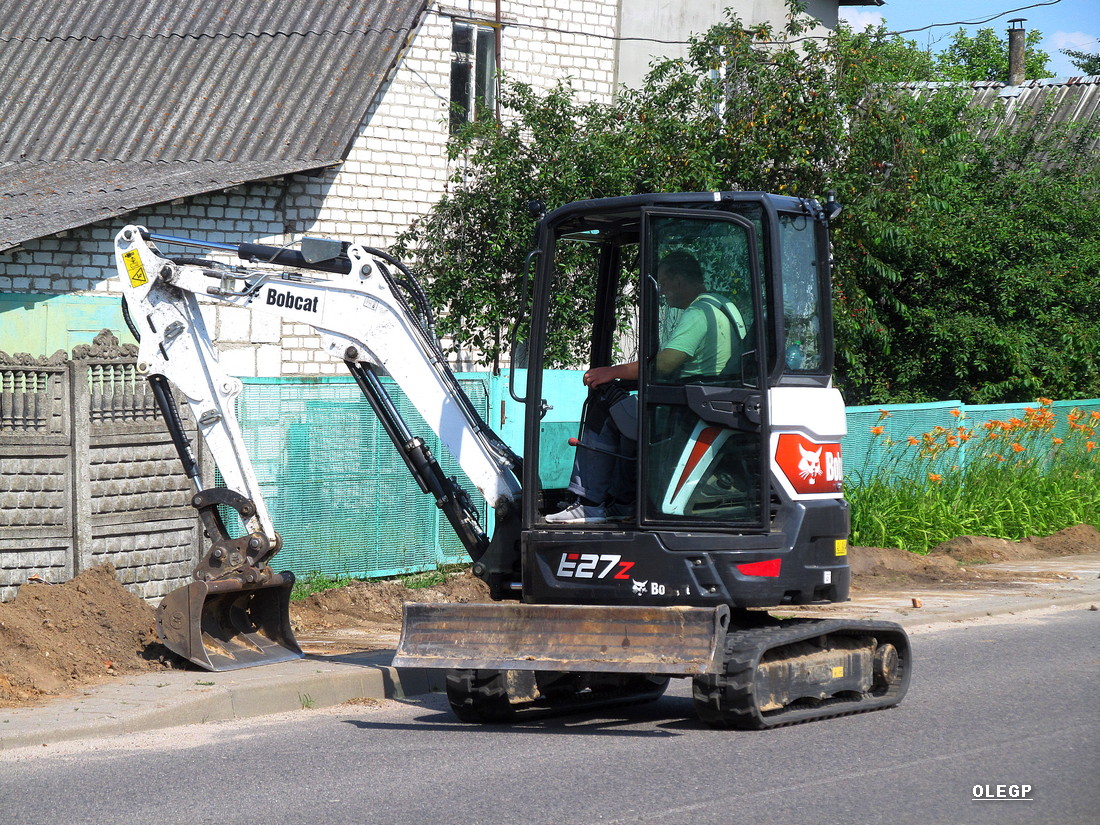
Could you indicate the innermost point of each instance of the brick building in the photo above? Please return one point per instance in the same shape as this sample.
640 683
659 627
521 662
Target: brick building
266 121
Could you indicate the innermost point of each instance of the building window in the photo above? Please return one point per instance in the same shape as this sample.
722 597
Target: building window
473 72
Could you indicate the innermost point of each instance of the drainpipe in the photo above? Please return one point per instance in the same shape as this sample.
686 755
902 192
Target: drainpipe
499 44
1016 37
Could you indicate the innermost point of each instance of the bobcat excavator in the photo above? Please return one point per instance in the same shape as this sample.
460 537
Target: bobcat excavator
736 476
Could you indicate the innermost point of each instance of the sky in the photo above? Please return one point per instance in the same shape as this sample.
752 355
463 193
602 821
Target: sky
1065 24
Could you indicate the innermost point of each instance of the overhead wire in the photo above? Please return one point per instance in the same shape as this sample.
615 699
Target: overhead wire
620 38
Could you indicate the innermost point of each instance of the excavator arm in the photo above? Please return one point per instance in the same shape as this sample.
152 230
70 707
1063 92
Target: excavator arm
367 315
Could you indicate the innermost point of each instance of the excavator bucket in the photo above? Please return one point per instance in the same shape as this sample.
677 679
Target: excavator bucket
227 624
680 641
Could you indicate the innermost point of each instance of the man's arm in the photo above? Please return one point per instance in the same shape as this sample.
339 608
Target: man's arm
597 376
667 362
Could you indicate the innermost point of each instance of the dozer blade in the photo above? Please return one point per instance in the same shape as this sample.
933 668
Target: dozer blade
226 624
600 639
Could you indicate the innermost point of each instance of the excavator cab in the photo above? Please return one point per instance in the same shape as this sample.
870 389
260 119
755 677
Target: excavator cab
723 302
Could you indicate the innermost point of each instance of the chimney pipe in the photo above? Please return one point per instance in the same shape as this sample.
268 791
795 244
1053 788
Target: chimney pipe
1016 38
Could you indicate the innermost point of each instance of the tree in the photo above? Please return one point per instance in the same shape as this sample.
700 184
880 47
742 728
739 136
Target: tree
984 56
1087 62
965 262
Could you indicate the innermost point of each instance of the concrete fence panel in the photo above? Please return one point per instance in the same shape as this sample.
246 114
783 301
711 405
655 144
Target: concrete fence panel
88 473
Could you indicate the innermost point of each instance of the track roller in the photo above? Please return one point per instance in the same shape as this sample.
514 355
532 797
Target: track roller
498 696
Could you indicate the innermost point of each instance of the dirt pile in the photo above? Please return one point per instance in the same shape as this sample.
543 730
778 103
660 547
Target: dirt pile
379 603
963 560
55 638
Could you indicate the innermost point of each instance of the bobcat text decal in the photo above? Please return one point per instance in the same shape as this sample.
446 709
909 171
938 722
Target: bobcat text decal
593 566
810 467
286 298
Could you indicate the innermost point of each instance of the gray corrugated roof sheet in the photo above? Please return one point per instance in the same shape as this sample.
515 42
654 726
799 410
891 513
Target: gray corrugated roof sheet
1073 99
109 106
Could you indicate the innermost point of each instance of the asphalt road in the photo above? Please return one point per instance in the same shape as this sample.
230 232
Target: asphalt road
997 705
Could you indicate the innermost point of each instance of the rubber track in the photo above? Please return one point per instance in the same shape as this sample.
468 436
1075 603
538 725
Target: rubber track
729 701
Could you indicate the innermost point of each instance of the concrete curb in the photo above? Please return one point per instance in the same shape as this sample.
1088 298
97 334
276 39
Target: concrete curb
1073 600
155 701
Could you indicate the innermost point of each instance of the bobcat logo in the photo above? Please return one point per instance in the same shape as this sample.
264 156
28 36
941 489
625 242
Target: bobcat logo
810 465
640 587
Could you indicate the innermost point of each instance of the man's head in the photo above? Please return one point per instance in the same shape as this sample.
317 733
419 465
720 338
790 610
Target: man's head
680 278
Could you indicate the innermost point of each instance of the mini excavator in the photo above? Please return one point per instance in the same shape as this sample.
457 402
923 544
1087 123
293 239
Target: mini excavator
736 475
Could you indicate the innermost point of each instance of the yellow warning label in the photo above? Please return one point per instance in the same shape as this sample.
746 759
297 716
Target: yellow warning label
838 671
842 547
134 269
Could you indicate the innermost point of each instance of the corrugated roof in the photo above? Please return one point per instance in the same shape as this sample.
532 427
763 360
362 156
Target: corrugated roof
110 106
1073 99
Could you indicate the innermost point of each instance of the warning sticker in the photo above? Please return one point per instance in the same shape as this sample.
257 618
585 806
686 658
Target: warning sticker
134 268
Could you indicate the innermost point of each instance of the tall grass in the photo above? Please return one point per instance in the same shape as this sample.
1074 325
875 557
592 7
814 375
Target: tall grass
1007 479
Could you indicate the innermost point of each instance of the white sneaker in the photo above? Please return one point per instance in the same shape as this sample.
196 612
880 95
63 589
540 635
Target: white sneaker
580 514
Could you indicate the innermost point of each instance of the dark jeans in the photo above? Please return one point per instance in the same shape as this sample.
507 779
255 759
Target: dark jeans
611 475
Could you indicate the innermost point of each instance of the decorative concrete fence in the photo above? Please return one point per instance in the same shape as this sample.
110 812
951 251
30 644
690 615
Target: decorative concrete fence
88 473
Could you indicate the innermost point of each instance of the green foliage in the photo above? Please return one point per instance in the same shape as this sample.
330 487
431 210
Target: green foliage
317 582
1007 479
971 274
1087 62
967 261
984 56
432 578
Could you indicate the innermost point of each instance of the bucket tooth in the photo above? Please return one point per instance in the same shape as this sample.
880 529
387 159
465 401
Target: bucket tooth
227 624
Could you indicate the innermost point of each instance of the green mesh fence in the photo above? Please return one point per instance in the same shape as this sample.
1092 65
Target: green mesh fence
338 491
868 452
345 504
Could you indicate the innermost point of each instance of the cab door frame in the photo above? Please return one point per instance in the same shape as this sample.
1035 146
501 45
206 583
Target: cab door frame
743 409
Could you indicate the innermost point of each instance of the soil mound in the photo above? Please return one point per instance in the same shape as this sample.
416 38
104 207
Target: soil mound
55 638
379 603
1082 538
963 559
